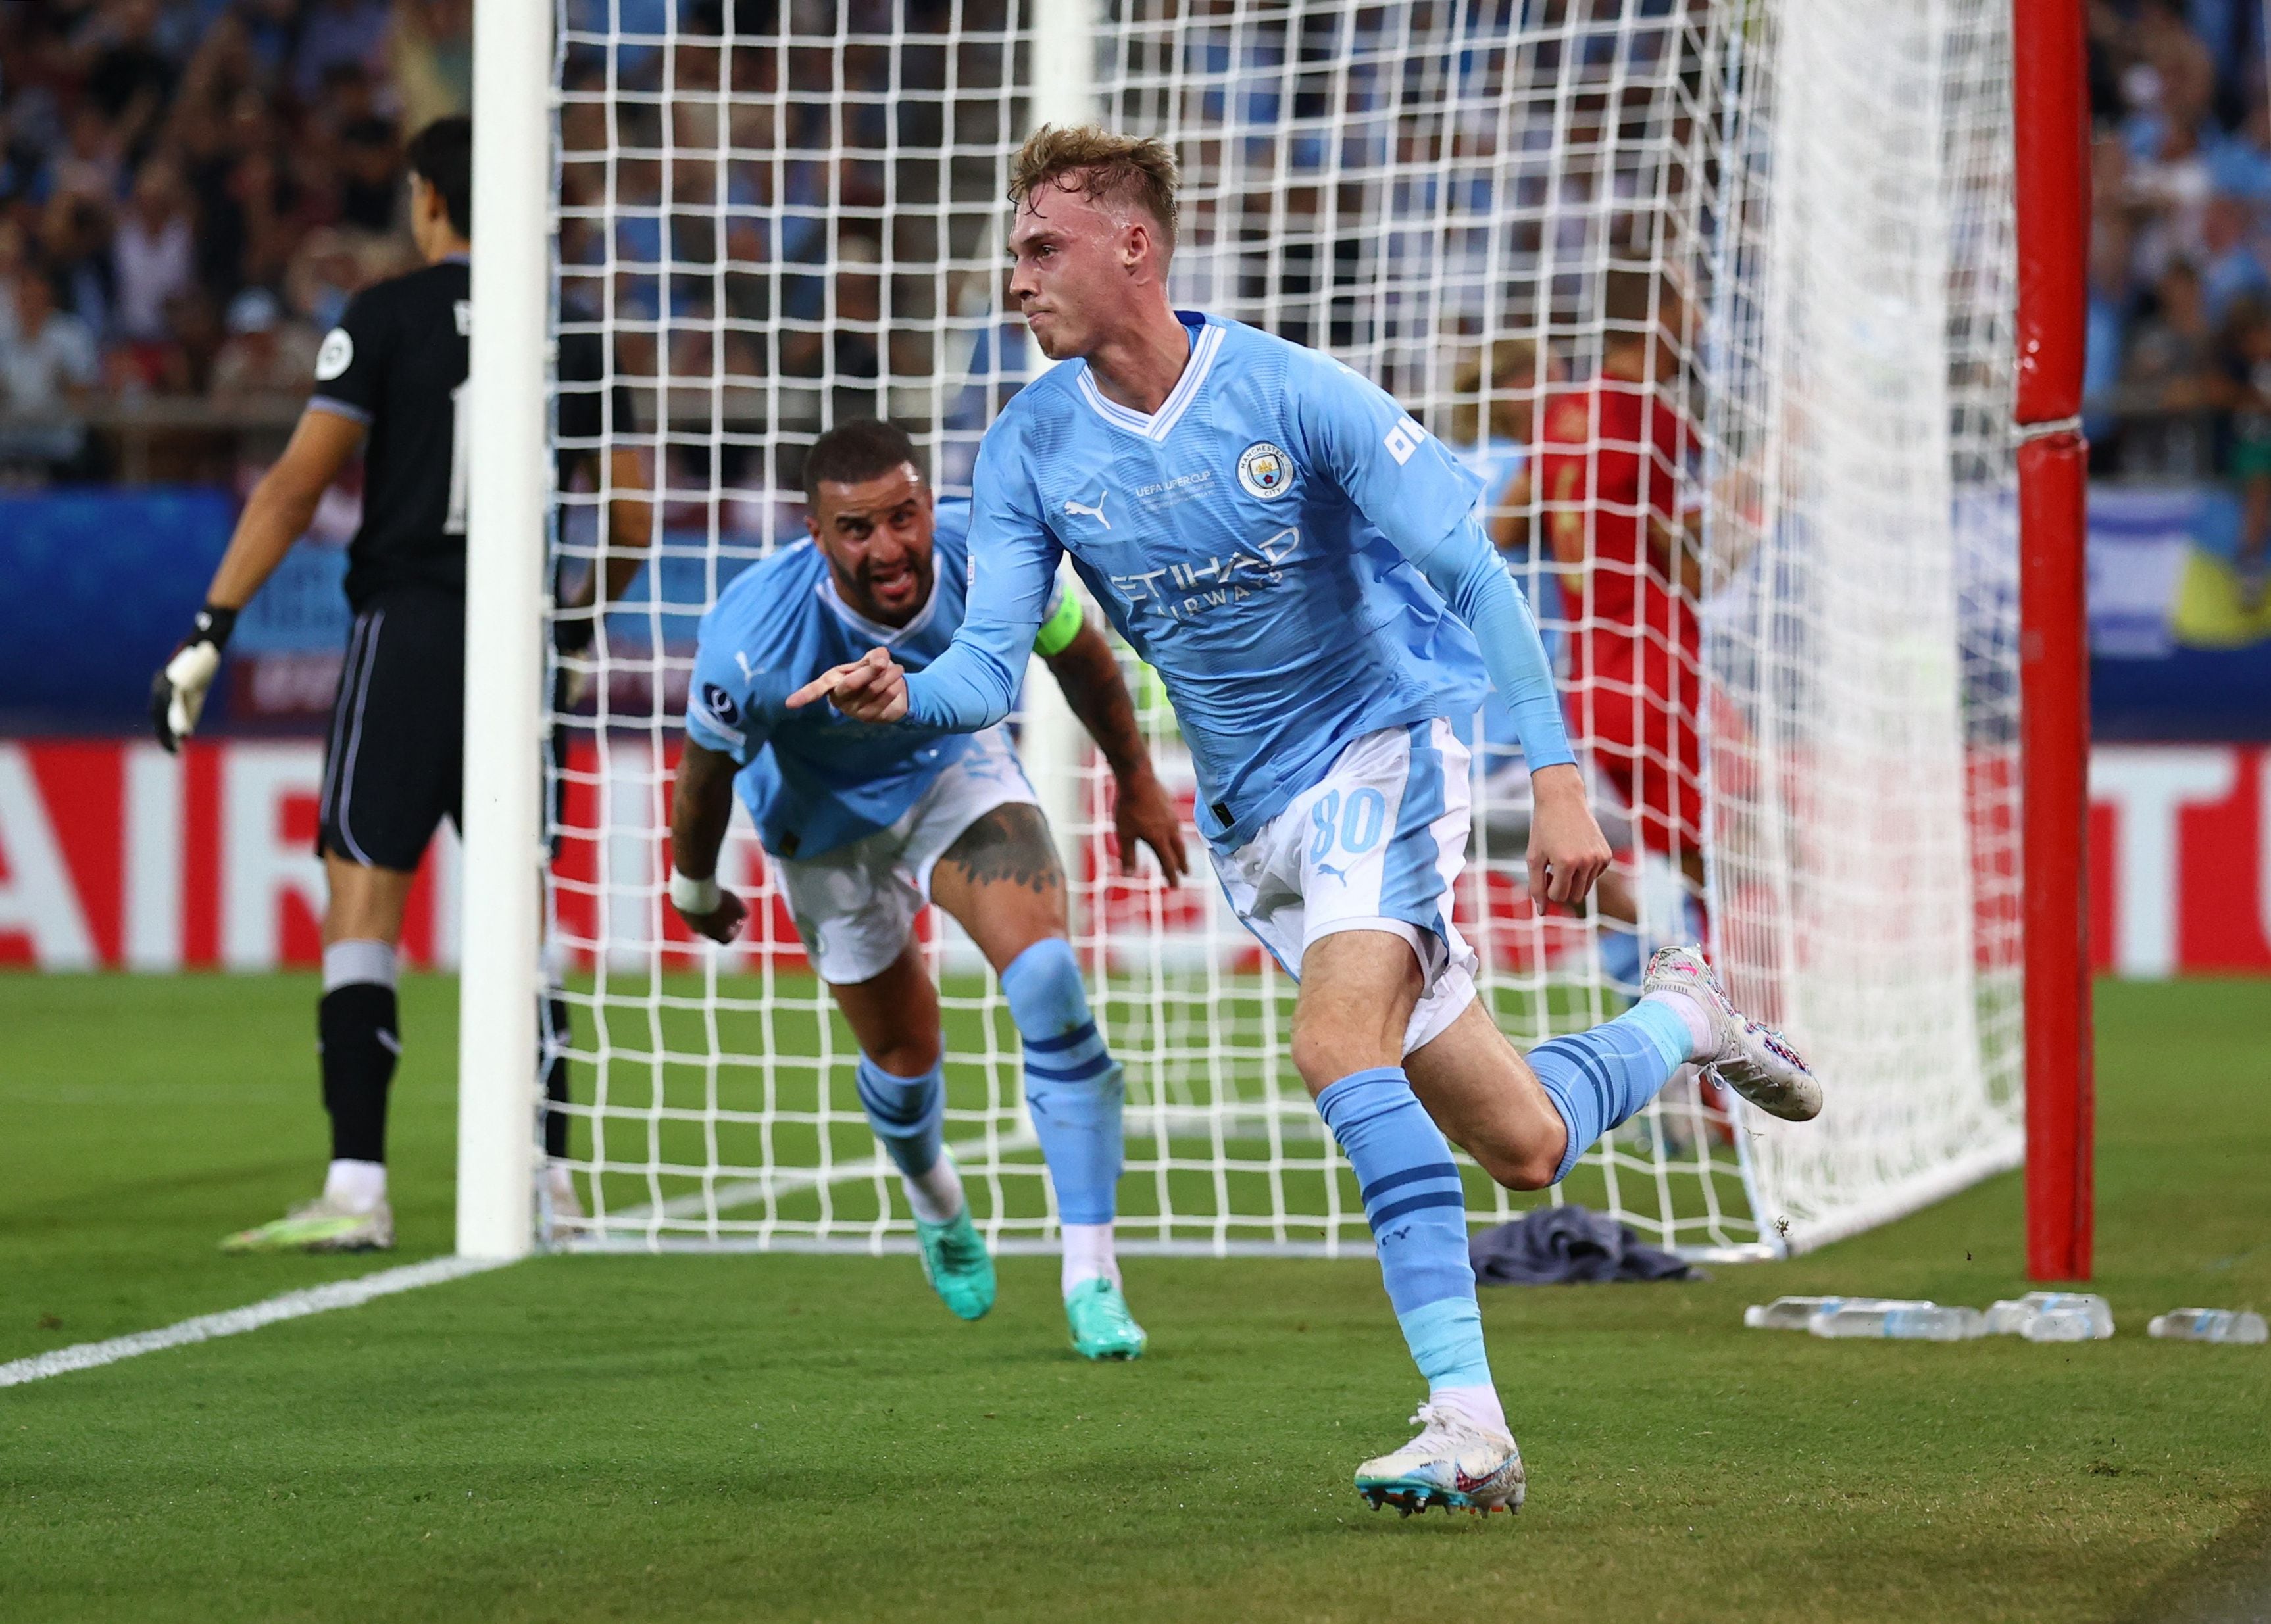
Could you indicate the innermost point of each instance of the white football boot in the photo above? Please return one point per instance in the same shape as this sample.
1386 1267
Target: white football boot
1455 1461
1756 1061
320 1225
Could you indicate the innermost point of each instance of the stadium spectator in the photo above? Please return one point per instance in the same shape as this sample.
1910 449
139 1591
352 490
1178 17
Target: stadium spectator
370 178
333 33
128 79
153 253
48 366
92 165
265 354
2172 354
2232 265
279 122
75 245
432 59
2248 357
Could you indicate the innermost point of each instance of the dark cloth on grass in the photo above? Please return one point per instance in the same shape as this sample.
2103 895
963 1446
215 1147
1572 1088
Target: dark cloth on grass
1557 1244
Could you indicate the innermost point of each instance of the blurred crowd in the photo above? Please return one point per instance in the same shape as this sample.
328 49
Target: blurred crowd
191 192
2179 354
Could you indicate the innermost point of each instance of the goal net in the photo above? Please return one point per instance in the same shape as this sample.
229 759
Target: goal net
778 217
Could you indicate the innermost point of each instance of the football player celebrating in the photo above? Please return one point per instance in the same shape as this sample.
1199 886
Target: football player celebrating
869 822
1301 563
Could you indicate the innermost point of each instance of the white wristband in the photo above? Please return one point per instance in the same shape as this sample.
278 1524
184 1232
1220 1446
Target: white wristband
694 897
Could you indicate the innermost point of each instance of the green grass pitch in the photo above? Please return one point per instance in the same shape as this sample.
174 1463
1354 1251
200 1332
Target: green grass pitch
797 1437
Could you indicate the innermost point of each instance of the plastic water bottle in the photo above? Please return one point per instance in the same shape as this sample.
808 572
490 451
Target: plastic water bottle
2052 1316
1792 1313
2209 1325
1906 1321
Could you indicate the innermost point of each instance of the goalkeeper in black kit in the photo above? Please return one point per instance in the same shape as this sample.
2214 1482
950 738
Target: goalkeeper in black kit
390 380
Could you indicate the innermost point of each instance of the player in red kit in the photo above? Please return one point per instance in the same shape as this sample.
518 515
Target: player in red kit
1610 459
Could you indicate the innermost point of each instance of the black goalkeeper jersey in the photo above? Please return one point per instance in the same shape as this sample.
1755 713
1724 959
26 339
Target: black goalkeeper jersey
396 364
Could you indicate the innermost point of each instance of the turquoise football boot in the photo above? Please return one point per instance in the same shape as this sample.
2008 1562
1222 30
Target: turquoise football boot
955 1262
1102 1328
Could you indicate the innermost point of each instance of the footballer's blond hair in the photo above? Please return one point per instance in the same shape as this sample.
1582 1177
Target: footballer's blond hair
1102 167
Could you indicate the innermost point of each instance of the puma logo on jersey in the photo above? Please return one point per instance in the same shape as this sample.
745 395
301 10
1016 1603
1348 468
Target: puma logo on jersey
1096 512
748 671
1338 874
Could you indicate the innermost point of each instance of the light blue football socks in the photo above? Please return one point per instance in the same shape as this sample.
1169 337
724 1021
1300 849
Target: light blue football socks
907 1114
909 1117
1413 1201
1073 1086
1598 1078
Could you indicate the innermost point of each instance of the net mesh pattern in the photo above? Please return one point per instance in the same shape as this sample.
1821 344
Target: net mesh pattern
777 218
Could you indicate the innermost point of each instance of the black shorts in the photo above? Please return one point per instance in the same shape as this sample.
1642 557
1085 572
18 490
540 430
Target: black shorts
394 762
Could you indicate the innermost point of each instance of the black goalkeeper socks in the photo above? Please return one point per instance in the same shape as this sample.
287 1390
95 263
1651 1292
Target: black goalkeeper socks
555 1041
356 1026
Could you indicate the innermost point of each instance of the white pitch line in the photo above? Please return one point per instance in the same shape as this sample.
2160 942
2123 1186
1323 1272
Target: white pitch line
746 1192
235 1322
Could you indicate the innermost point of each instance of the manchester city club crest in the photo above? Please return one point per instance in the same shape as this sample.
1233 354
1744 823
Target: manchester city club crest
1265 471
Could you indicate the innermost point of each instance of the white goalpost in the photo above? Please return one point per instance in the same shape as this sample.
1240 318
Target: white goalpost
777 216
507 492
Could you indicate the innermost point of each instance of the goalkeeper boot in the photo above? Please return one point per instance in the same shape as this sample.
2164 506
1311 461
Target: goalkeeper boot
955 1263
1757 1062
319 1225
1102 1328
1455 1461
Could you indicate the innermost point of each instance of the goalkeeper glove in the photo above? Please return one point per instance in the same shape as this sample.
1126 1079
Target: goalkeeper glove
177 693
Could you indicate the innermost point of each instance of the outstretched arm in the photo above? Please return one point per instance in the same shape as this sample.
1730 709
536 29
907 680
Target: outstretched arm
1567 852
283 505
1142 810
1415 493
277 513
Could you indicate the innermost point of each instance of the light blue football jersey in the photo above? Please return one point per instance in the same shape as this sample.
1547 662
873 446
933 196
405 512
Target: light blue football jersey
1251 540
814 779
1498 463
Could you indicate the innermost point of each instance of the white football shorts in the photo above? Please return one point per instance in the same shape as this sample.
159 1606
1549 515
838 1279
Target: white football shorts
1377 844
855 905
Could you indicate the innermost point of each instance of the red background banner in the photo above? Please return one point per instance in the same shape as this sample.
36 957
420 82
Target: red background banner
113 854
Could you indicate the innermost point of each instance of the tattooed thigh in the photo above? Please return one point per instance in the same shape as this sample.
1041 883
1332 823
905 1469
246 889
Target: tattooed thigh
1008 846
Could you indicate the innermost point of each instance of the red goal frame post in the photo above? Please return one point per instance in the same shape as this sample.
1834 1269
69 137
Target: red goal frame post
2051 134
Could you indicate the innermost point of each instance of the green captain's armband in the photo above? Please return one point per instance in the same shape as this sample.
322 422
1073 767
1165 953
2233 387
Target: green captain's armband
1062 627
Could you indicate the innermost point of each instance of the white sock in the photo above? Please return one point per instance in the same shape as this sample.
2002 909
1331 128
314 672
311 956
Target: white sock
358 959
357 1187
1702 1037
937 1196
1479 1403
1088 1255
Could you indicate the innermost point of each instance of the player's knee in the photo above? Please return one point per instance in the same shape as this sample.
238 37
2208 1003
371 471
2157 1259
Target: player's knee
1526 1168
1325 1049
911 1055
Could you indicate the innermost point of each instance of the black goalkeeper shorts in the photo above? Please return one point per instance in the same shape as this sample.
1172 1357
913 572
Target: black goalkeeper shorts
394 761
